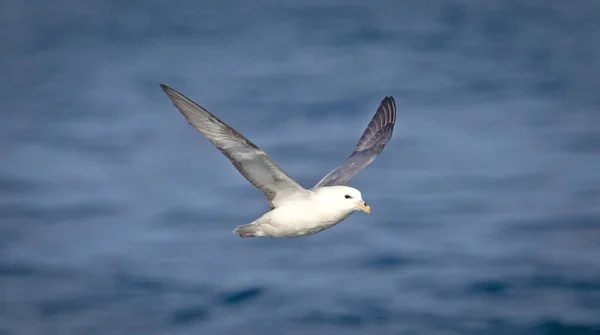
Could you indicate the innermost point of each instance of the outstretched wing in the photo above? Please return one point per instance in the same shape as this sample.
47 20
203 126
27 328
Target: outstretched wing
373 140
248 159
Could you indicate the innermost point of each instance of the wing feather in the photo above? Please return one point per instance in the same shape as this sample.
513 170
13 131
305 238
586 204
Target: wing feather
252 162
369 146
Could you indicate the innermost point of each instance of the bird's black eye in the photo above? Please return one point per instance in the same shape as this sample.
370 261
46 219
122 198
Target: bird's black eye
347 196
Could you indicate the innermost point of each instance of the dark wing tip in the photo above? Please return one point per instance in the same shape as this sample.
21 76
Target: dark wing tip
385 115
388 107
171 93
167 89
380 128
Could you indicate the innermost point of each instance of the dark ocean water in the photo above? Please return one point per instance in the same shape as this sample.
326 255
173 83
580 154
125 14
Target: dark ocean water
116 216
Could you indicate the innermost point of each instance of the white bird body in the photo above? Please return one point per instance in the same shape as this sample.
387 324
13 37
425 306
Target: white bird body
294 210
322 208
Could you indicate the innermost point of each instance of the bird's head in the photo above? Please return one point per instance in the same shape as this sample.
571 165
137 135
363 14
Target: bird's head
344 197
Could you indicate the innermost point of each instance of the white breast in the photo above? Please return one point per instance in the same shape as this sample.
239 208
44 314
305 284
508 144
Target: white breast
302 218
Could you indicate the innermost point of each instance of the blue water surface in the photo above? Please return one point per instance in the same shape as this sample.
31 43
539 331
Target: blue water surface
116 216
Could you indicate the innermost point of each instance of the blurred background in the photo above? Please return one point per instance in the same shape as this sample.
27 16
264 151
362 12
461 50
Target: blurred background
116 216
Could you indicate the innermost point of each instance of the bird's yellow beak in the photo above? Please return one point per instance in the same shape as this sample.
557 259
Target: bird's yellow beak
364 207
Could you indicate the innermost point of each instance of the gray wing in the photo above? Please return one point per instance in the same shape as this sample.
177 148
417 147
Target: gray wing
248 159
373 140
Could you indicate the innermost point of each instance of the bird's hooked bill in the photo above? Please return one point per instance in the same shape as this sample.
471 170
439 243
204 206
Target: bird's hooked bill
364 207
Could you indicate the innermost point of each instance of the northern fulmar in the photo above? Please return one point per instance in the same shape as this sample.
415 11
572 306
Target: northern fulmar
293 210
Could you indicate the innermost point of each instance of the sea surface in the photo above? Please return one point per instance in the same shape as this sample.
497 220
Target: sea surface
116 216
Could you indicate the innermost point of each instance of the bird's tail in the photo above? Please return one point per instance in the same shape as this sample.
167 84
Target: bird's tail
248 230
